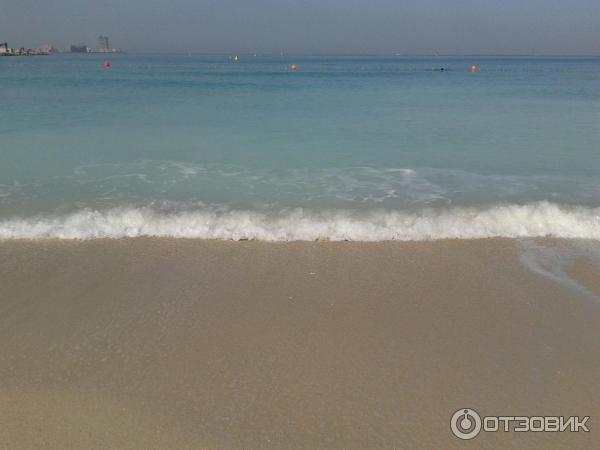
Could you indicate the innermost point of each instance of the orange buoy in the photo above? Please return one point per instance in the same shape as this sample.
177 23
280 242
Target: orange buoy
293 67
473 68
107 65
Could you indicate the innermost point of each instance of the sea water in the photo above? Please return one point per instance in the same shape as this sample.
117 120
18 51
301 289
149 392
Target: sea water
358 148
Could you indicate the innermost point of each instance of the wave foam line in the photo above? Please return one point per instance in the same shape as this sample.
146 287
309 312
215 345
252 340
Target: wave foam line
531 220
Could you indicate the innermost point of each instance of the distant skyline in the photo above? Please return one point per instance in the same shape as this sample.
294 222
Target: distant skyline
509 27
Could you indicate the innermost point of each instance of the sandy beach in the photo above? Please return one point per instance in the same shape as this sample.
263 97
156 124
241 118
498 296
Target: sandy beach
174 343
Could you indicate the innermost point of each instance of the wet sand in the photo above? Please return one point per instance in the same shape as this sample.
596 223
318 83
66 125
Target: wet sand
162 343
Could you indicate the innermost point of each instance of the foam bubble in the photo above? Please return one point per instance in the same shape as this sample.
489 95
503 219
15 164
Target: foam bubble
531 220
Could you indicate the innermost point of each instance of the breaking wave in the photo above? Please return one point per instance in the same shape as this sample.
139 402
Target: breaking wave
539 219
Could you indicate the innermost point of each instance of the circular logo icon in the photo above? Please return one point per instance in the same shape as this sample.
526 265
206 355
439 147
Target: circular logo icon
465 424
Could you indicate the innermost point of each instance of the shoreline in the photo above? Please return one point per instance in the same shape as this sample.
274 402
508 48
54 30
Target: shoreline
165 342
530 220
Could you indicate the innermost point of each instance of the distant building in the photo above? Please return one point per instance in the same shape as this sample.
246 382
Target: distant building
5 50
103 45
47 49
77 48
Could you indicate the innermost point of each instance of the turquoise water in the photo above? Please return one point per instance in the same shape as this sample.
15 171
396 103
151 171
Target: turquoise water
361 148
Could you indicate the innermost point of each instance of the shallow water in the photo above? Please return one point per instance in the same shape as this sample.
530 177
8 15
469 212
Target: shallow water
363 148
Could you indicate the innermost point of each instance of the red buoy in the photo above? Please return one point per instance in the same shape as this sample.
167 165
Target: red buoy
107 65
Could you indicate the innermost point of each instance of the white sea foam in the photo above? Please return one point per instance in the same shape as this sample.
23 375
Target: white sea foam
532 220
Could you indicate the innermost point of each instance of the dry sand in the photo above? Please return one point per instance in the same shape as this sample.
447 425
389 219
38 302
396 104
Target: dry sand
159 343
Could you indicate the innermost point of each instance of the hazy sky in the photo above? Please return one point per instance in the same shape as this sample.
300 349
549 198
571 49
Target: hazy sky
310 26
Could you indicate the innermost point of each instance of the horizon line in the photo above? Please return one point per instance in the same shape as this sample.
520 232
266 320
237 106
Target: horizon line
397 55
